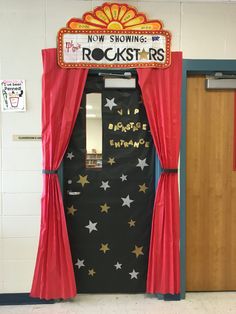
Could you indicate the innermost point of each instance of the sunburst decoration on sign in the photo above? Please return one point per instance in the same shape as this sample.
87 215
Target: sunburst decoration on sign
114 16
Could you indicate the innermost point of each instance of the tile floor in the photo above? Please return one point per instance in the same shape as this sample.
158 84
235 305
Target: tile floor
200 303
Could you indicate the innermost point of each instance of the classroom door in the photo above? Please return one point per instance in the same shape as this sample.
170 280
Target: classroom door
210 189
109 191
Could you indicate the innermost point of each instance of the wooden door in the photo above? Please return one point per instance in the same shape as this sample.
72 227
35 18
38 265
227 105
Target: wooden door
210 189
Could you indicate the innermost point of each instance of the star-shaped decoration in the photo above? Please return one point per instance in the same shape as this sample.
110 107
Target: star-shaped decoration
80 263
91 272
134 274
71 210
111 161
138 251
105 185
143 188
131 223
70 155
104 208
127 201
104 248
83 180
123 177
143 54
110 103
142 163
118 265
69 181
91 226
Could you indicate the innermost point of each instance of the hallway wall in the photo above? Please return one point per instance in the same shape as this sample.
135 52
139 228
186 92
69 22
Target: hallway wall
202 30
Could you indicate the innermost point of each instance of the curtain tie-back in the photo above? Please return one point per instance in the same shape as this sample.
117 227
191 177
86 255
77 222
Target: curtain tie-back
49 171
170 170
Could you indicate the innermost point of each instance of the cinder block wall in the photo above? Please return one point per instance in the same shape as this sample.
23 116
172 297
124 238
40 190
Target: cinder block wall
202 30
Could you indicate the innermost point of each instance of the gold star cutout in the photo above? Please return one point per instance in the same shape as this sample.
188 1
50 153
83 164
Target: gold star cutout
143 188
138 250
132 223
143 54
91 272
104 208
104 248
83 180
111 161
71 210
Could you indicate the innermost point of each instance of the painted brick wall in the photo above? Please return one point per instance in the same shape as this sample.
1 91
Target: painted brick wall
202 30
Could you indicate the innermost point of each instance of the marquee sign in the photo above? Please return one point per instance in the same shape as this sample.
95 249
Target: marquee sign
113 36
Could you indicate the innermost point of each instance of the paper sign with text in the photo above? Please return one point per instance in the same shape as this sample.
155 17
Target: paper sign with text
123 50
113 36
12 95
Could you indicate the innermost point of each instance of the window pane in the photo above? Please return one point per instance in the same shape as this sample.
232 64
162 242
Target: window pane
94 130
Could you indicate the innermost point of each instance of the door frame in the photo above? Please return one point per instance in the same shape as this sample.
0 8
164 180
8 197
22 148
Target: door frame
204 67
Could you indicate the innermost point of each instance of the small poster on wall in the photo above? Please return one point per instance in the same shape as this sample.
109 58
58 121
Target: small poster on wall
12 95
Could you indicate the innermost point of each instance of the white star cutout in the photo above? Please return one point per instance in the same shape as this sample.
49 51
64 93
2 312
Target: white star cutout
126 201
80 263
91 226
142 163
105 185
118 265
70 155
110 103
134 274
123 177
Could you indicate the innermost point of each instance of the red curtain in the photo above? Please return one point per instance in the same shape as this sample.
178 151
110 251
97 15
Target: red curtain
161 90
62 90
